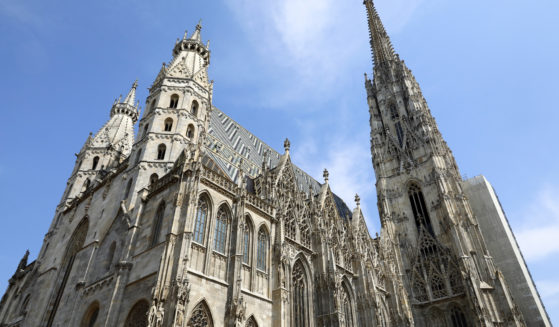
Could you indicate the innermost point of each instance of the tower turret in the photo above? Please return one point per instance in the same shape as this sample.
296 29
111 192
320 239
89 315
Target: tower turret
178 107
108 148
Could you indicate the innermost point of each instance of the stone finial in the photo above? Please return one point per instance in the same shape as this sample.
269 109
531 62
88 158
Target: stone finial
185 35
199 25
357 200
286 145
325 175
208 45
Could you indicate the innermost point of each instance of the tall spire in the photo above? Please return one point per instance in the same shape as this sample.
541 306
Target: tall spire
131 97
380 42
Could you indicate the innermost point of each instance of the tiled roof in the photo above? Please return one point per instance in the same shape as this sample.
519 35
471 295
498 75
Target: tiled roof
230 145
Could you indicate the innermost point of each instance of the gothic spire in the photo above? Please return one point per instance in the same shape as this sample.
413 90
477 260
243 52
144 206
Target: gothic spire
196 35
380 42
131 97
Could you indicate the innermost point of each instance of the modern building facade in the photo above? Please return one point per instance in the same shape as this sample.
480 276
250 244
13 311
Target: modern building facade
197 222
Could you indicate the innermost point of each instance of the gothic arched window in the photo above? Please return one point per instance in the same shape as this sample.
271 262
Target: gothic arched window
262 251
95 163
190 131
174 101
299 296
458 318
399 133
168 124
157 221
347 310
161 151
419 209
86 184
251 322
91 315
201 316
247 236
201 218
138 315
221 228
194 108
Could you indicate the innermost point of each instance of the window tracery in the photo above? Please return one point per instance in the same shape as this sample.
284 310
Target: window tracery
346 305
221 228
299 295
251 322
419 208
201 217
247 236
262 252
458 318
201 316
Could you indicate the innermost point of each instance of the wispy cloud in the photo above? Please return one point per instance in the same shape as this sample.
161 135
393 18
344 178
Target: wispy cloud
16 10
539 225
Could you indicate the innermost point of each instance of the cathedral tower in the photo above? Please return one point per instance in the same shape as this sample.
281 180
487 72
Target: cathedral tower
448 272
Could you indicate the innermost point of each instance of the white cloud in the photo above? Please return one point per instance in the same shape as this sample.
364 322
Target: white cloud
539 225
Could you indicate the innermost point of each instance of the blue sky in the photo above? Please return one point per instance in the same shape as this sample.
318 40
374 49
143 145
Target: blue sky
292 69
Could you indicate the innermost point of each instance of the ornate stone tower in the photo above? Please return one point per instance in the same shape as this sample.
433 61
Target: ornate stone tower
177 109
107 149
449 275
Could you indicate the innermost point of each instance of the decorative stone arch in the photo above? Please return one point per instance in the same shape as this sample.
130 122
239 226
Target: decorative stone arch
75 244
348 303
301 291
201 315
91 315
251 322
457 316
138 314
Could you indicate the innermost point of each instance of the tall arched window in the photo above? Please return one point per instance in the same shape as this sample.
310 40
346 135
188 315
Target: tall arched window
221 228
346 304
157 221
138 315
153 179
75 244
299 294
419 209
86 185
201 218
262 254
247 237
174 101
190 131
201 316
458 318
95 163
168 124
161 151
91 315
194 108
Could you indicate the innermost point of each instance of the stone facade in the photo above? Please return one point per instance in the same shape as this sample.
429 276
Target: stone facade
197 222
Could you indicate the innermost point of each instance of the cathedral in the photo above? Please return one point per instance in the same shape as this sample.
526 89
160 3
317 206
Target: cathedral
196 222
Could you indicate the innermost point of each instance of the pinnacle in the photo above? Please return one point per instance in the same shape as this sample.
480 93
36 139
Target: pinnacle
131 97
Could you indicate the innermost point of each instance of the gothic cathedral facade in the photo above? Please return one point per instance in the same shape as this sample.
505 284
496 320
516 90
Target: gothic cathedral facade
196 222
